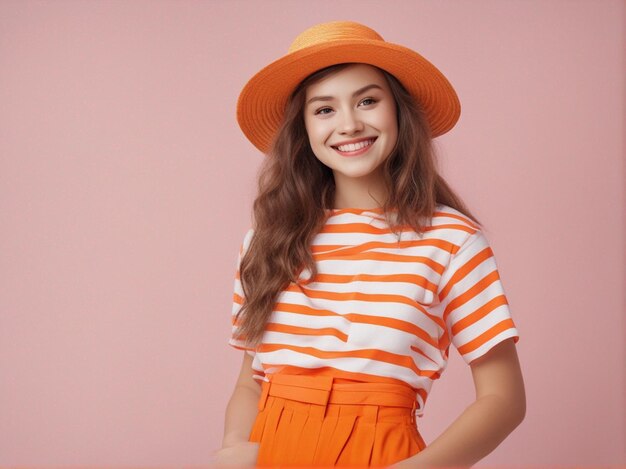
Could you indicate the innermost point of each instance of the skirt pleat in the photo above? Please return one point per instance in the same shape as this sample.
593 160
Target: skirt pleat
309 437
267 447
358 449
391 439
324 450
283 430
294 438
259 426
338 440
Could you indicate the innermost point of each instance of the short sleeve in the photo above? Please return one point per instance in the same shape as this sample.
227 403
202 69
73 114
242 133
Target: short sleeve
238 297
474 304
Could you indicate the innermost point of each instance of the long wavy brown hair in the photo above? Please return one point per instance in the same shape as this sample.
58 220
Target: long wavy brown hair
295 189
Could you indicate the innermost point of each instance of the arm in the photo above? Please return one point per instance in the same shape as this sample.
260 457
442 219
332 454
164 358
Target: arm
500 406
242 409
241 413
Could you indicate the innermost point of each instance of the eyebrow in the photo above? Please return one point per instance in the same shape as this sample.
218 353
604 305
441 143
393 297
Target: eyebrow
354 95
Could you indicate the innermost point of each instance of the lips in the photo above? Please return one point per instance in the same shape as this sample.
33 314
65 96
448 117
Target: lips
354 146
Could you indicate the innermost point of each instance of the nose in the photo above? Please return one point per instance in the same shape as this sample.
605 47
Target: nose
350 123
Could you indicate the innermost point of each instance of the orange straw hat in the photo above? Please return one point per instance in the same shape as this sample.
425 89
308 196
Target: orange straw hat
262 101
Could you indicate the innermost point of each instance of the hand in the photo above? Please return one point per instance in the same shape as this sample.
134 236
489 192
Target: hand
243 454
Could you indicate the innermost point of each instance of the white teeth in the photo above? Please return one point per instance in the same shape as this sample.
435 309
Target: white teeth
355 146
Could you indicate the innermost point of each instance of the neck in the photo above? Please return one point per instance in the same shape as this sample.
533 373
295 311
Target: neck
364 192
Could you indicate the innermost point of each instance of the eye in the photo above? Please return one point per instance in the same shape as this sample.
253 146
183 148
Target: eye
368 101
321 110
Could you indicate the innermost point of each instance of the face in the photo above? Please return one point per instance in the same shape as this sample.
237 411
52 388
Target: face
350 118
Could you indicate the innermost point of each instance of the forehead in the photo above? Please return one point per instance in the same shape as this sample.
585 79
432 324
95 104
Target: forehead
350 78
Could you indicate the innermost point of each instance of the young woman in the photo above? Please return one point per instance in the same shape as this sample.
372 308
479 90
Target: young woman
361 268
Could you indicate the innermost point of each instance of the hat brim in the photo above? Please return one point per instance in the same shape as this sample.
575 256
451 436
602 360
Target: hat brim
262 101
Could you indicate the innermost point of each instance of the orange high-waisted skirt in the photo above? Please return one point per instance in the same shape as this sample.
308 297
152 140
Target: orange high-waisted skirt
312 421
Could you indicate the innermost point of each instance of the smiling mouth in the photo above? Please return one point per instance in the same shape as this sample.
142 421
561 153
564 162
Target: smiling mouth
355 146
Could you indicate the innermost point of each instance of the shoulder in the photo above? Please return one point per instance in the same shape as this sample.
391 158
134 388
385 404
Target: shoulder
248 237
452 226
446 215
245 243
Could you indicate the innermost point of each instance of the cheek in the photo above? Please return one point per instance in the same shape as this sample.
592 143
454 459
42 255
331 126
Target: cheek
392 124
316 133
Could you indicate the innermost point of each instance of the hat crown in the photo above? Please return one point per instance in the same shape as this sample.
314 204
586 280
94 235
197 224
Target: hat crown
333 31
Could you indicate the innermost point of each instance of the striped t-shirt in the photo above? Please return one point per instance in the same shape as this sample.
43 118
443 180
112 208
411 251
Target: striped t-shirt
380 310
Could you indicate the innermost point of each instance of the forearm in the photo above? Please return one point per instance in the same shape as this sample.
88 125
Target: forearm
241 412
481 427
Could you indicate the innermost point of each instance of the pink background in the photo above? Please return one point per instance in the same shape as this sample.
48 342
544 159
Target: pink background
126 188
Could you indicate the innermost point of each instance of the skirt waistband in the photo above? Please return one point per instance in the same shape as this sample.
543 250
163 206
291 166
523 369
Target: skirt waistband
321 390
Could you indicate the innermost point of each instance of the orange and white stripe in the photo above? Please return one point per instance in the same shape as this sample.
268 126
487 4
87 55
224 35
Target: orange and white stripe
383 309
